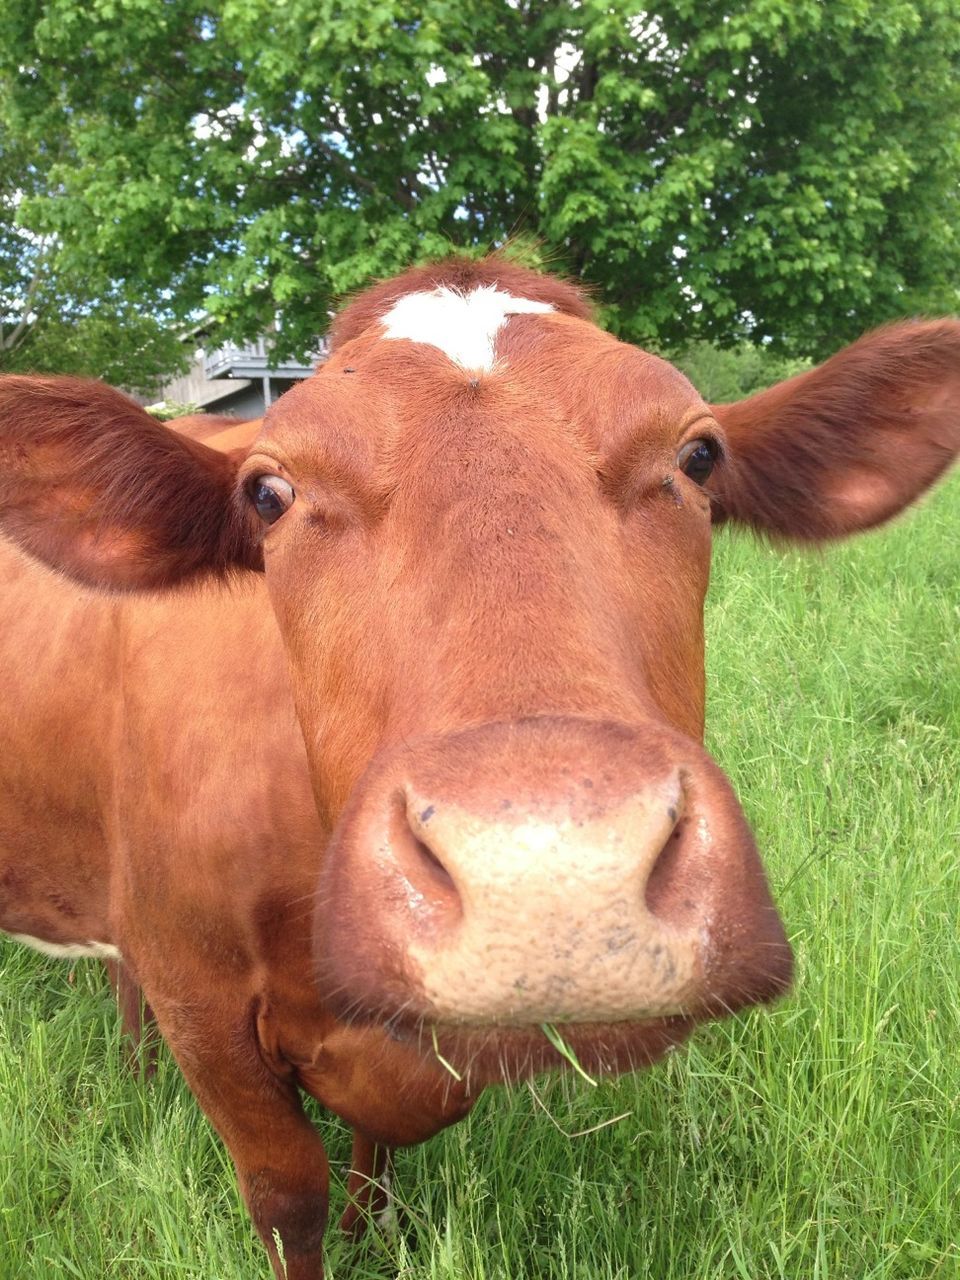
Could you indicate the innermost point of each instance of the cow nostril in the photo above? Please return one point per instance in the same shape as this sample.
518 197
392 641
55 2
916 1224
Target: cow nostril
418 856
434 867
669 893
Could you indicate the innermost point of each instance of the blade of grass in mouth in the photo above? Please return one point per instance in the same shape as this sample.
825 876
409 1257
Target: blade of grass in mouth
442 1060
565 1052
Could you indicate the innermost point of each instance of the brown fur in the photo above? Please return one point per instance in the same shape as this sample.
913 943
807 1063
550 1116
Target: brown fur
204 426
489 588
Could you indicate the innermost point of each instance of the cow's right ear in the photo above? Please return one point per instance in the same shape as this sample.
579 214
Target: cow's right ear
92 485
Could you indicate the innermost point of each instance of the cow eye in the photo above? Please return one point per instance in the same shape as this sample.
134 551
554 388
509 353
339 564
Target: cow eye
272 496
697 459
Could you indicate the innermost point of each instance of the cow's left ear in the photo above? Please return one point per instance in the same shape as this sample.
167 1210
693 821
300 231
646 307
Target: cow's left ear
92 485
848 444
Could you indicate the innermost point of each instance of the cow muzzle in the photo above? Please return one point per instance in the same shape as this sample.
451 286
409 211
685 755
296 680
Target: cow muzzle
547 871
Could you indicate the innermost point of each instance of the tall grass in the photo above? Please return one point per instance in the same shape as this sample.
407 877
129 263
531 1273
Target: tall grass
819 1139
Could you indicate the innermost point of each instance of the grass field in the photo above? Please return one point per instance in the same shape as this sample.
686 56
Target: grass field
817 1140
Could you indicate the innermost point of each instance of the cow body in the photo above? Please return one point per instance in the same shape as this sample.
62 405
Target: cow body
368 739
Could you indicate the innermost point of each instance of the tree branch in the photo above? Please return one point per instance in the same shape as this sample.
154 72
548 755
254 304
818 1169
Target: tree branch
345 167
9 343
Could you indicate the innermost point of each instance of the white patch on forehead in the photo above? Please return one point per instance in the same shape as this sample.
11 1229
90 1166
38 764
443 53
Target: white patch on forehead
461 325
70 950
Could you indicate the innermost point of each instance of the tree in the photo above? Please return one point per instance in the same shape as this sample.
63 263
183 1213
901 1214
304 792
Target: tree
57 320
779 170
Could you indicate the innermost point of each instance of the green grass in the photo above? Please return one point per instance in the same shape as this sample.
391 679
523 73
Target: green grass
820 1139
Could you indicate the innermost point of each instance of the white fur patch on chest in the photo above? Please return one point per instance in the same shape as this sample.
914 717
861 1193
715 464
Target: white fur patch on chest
461 325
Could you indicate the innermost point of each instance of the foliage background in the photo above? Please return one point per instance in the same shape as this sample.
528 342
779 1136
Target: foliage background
783 171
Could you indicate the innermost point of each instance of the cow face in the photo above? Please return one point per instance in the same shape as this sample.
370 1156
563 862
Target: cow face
490 577
485 527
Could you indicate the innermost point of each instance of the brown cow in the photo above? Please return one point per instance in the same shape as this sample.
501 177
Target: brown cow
373 744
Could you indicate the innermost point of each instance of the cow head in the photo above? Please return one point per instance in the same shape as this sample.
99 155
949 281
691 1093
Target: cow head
485 526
